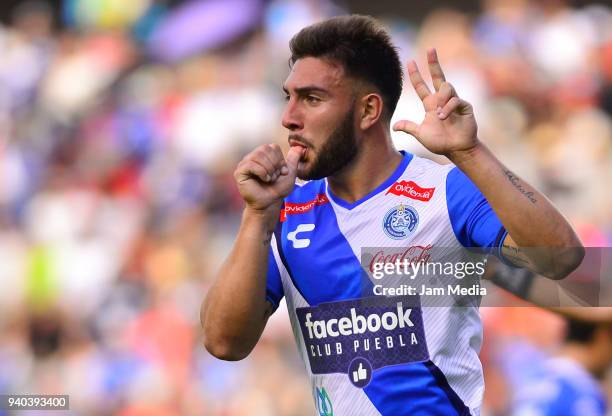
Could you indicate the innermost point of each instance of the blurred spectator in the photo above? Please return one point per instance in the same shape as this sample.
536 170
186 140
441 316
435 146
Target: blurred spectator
567 383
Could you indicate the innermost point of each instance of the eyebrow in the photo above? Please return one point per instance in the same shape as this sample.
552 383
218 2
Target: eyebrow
307 89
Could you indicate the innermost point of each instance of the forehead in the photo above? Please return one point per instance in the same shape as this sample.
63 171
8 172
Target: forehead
316 72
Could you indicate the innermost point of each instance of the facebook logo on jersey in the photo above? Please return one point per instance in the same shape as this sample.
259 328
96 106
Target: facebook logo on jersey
300 242
380 331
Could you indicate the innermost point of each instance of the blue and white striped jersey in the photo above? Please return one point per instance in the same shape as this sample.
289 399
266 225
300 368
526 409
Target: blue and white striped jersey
376 355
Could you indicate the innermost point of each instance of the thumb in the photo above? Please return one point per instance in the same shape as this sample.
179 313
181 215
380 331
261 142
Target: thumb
406 126
293 158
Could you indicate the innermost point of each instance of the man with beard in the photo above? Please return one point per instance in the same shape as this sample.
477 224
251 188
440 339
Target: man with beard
367 354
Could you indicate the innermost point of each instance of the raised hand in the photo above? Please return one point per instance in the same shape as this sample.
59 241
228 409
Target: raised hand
449 125
264 177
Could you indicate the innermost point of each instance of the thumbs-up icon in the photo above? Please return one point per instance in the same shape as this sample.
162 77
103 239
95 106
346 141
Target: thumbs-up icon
360 374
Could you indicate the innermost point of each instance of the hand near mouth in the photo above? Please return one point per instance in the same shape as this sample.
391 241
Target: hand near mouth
265 177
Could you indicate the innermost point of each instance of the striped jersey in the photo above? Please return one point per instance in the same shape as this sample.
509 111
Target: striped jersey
372 354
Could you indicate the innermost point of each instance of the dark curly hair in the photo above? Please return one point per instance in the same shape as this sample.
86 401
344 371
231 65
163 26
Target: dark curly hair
362 46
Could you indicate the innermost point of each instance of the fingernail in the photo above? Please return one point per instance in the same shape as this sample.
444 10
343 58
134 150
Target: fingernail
440 115
284 170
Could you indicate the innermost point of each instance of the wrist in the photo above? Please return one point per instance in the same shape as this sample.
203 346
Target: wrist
467 156
266 218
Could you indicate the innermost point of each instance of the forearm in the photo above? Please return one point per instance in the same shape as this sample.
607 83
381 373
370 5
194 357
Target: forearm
522 283
528 216
235 310
531 287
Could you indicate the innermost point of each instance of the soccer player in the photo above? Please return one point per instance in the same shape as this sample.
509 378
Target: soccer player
366 354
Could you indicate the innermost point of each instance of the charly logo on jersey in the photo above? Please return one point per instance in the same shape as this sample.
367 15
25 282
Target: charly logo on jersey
356 337
323 402
400 221
300 242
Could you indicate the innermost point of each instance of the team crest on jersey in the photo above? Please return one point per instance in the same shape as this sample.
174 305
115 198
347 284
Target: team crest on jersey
400 221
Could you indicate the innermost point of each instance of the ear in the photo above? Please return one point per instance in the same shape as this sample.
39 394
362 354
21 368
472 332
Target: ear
371 107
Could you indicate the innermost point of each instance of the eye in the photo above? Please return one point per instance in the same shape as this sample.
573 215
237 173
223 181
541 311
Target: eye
312 99
287 97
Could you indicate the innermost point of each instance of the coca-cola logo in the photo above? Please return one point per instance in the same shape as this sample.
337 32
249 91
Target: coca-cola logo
291 208
412 254
411 190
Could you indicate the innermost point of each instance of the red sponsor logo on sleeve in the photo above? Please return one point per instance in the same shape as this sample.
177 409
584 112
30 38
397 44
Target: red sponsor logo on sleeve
291 208
411 190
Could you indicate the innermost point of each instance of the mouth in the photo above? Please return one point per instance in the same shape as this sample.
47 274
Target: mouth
298 143
295 142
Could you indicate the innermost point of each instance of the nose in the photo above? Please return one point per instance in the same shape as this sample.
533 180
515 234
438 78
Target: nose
292 119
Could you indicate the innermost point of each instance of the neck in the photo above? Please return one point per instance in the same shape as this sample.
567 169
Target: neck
375 161
583 355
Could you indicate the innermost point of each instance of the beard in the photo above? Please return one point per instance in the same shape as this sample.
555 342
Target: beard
339 150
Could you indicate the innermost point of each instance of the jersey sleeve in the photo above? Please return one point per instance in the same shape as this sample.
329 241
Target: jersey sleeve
474 222
274 285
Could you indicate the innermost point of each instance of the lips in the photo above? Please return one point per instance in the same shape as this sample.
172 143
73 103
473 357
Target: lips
293 143
296 143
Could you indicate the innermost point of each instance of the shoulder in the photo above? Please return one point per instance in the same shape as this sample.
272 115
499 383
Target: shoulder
304 197
422 165
304 191
458 184
429 171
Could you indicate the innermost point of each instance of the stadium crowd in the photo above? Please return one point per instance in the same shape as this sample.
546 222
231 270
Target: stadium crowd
120 128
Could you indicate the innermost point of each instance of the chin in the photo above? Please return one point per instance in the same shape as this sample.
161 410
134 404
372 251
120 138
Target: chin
303 176
303 171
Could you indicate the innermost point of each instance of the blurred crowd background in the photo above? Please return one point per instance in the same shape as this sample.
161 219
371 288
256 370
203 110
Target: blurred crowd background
121 123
